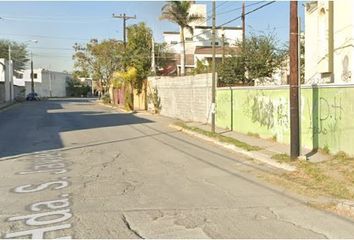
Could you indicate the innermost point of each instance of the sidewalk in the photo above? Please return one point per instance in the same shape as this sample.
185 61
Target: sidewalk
268 147
6 105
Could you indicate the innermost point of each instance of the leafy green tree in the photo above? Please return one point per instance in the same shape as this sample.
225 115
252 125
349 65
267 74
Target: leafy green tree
163 57
261 56
99 60
258 57
19 54
178 12
139 52
231 72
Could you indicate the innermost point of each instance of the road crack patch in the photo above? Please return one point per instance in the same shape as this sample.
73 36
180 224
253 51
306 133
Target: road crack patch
294 224
127 224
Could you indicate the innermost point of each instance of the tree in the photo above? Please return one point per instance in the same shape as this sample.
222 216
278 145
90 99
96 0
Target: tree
19 54
139 52
258 57
99 60
261 56
178 12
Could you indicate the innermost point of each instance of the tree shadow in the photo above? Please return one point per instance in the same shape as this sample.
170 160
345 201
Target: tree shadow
36 126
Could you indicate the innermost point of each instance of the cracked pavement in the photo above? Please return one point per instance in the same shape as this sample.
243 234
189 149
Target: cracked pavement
130 176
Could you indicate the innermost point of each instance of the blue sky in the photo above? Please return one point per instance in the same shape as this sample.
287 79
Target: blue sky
58 25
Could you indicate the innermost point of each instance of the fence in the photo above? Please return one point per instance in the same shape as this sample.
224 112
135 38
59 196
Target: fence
327 114
187 98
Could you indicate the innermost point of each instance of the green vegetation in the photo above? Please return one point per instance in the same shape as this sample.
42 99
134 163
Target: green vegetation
334 178
98 60
19 54
220 137
75 88
258 57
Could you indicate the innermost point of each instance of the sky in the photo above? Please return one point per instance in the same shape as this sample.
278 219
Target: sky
57 26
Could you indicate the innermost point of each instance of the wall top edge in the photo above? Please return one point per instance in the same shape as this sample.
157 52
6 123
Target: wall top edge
287 87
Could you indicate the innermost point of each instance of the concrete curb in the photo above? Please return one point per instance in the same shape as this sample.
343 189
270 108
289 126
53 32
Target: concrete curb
346 205
255 155
114 107
9 105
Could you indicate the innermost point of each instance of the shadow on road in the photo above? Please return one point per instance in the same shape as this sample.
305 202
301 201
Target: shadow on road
36 126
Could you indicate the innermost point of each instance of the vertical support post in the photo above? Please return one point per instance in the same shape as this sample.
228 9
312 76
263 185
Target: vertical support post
243 22
294 82
213 90
32 77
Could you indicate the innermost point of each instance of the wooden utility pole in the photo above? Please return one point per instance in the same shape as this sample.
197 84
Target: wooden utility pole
125 18
294 83
243 22
213 87
223 46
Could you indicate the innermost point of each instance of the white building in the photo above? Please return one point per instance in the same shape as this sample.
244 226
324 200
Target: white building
198 44
46 83
329 42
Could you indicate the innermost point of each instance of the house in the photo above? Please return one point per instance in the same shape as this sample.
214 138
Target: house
329 42
10 89
47 83
198 43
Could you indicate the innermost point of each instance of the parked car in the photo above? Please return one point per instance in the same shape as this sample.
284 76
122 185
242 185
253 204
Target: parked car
33 97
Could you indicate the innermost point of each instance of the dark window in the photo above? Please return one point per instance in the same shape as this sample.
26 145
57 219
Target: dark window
173 42
189 39
35 76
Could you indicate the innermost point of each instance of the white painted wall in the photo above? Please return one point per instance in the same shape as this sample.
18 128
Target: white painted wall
316 42
48 83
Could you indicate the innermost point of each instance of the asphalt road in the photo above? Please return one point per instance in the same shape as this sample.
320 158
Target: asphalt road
72 168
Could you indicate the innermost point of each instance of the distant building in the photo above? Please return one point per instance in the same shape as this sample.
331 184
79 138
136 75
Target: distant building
329 42
46 83
198 44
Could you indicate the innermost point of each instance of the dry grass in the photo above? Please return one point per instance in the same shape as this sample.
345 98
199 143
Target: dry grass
220 137
333 178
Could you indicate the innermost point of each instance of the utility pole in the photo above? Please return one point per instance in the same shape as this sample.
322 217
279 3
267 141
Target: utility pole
125 18
223 46
213 90
243 22
294 83
32 77
10 69
153 66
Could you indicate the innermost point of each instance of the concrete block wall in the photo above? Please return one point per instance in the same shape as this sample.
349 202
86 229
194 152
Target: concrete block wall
2 92
187 98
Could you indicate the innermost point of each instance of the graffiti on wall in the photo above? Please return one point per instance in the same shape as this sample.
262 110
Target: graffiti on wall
269 112
326 114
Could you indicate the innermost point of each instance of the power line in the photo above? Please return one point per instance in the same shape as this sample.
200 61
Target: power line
234 19
46 36
239 8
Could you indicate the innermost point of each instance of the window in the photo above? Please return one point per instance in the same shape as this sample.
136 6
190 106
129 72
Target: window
35 75
189 39
173 42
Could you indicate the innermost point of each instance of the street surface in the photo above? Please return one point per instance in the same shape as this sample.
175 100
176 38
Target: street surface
73 168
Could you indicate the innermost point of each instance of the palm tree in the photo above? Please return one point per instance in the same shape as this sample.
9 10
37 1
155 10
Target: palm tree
178 12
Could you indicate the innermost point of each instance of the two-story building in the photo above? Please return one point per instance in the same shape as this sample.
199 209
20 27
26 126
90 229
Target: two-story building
198 43
47 83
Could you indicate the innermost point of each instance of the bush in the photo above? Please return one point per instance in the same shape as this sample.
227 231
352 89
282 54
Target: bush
106 98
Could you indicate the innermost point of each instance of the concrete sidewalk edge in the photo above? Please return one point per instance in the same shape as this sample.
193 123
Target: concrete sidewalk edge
255 155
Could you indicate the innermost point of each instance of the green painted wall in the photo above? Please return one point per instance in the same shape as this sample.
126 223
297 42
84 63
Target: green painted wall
327 114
